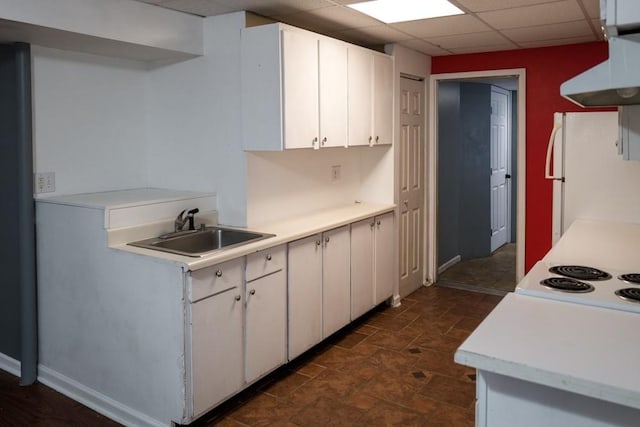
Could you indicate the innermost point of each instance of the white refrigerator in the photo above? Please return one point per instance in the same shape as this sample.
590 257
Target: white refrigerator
590 178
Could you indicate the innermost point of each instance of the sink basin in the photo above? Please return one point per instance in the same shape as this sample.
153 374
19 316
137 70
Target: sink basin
199 242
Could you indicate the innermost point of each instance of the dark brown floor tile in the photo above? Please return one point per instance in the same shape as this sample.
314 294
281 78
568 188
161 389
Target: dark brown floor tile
389 323
441 414
226 422
349 340
389 340
438 342
392 361
263 410
450 390
310 369
468 323
286 385
330 383
326 411
440 363
459 334
366 329
391 386
388 414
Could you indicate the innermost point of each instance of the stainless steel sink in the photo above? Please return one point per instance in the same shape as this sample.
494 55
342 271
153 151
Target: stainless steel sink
200 242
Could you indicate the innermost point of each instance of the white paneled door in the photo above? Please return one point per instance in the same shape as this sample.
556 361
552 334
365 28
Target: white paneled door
412 182
500 200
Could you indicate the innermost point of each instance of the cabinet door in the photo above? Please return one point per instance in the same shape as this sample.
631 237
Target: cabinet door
362 286
216 343
336 281
305 294
384 257
265 328
382 100
333 93
360 100
300 89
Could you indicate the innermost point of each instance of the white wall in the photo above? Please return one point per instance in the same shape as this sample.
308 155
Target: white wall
89 122
193 121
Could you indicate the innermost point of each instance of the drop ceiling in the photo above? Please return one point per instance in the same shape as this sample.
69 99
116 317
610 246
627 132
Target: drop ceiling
487 25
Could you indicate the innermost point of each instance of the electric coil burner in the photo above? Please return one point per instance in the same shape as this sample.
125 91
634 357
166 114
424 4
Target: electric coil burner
606 288
630 278
566 284
629 294
580 272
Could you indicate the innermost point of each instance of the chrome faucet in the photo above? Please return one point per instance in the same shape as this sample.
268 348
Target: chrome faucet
181 220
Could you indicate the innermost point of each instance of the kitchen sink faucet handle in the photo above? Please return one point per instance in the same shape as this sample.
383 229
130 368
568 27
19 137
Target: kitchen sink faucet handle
191 217
179 222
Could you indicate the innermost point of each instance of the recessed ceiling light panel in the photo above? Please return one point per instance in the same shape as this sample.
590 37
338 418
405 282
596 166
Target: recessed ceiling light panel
389 11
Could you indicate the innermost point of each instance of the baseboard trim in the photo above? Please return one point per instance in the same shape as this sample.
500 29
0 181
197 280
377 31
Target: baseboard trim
94 400
395 301
447 265
9 364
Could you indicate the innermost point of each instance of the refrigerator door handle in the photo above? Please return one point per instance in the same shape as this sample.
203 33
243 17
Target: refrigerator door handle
547 164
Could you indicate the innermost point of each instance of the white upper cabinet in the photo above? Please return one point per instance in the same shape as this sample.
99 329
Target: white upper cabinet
298 88
360 99
333 93
370 96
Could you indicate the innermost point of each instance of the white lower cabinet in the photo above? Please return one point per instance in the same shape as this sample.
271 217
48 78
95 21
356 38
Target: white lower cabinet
362 285
319 288
216 335
266 311
336 287
304 294
383 276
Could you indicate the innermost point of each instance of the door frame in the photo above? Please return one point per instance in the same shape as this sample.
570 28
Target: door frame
431 270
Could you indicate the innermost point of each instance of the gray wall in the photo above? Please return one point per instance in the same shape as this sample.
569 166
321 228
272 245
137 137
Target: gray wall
514 164
448 170
475 208
9 254
464 119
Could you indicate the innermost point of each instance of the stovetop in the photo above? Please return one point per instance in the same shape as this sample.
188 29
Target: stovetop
589 285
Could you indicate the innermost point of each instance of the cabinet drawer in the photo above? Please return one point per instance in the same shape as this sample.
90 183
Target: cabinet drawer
215 279
265 262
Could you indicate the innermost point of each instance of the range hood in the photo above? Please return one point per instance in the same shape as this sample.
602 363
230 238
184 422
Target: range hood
617 80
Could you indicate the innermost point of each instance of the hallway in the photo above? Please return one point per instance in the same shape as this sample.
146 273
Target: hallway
495 274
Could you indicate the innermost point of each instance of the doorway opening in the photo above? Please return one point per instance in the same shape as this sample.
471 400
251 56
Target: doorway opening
477 180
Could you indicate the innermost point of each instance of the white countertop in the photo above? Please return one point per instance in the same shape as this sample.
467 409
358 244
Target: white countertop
574 347
285 231
577 348
613 245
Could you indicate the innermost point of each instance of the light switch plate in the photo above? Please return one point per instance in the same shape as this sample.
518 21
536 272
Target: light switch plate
45 182
335 172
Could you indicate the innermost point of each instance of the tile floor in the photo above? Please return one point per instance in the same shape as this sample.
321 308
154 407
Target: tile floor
495 274
394 367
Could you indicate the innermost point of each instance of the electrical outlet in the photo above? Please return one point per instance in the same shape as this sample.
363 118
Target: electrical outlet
45 182
335 172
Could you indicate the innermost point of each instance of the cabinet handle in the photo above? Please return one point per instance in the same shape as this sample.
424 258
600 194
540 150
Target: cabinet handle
318 242
373 224
252 292
324 140
370 138
377 139
378 223
326 239
237 297
313 143
219 273
268 257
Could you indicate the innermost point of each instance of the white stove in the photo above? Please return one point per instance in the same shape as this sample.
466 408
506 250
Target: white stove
589 285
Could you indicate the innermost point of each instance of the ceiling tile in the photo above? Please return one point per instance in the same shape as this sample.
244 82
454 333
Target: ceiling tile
446 26
592 7
197 7
550 32
487 38
333 18
424 47
275 7
478 49
374 35
488 5
557 42
548 13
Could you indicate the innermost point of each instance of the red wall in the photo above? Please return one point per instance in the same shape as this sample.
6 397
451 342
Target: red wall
546 68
